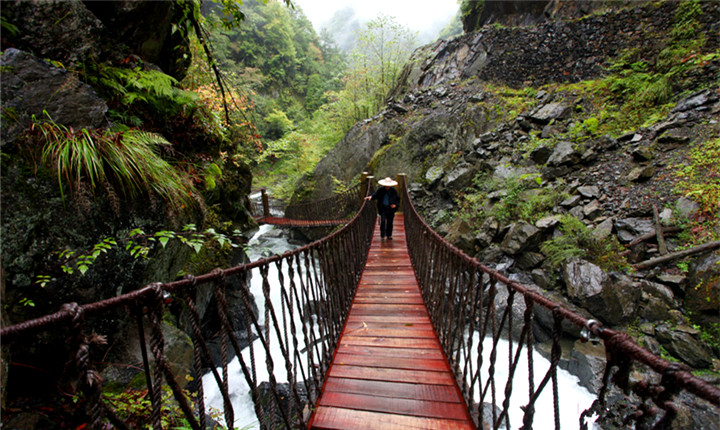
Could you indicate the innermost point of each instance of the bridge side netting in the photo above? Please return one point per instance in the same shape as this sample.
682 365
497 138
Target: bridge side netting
336 207
300 311
474 309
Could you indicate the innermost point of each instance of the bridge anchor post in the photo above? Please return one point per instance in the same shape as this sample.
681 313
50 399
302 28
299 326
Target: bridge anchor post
401 179
265 203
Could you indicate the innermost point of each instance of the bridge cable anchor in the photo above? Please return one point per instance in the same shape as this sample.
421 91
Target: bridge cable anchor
591 331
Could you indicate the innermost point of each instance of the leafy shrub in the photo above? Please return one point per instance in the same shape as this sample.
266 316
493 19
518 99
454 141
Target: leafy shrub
578 241
128 161
151 88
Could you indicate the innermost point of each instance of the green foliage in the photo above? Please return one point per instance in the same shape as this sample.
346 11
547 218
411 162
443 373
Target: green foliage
376 62
453 28
577 241
278 124
569 244
128 161
638 93
471 11
139 244
9 27
147 87
699 180
522 199
134 408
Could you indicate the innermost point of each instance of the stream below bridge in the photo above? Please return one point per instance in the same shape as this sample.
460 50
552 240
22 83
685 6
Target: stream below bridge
574 398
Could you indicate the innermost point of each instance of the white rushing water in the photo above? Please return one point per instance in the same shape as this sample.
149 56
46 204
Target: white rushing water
267 241
574 399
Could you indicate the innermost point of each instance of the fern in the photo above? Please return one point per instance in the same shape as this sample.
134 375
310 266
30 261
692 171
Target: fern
151 87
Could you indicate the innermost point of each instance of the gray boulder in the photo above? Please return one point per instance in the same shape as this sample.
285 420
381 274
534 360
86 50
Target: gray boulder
460 177
604 229
641 173
589 191
563 154
686 207
612 298
541 154
694 101
587 362
520 237
31 86
684 343
433 174
549 112
630 228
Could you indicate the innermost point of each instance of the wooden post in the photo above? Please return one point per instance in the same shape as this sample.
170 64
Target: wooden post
364 183
401 179
662 247
369 184
265 203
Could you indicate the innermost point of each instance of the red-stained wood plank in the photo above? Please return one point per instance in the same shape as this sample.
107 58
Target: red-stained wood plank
379 351
393 375
397 405
347 419
392 362
435 393
389 370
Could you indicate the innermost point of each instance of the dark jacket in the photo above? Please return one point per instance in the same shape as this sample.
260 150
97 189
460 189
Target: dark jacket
392 199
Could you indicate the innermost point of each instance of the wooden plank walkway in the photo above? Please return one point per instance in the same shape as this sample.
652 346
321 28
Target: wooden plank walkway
389 370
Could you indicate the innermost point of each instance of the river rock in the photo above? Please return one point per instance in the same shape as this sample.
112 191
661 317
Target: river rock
592 210
529 260
571 201
643 153
520 237
433 174
583 279
548 222
178 351
461 234
675 137
604 229
672 280
287 402
684 343
487 232
641 173
587 362
612 298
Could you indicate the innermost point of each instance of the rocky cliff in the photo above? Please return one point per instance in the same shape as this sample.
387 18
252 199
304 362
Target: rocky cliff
544 150
56 62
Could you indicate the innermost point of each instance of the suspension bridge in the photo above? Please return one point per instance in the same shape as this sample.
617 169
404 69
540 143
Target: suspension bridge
351 331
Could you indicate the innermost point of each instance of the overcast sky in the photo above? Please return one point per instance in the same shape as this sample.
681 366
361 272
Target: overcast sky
414 14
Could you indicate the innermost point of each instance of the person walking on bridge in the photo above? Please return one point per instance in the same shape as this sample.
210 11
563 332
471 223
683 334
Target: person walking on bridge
388 201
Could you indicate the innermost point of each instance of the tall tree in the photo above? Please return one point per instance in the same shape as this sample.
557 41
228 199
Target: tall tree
382 50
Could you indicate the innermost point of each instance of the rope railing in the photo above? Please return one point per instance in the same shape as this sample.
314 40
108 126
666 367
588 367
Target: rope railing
471 307
298 309
336 207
